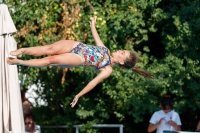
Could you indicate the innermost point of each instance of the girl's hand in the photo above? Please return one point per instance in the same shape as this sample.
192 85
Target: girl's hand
93 21
73 103
172 123
160 121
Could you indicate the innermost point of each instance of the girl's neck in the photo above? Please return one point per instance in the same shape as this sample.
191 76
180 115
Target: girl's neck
113 61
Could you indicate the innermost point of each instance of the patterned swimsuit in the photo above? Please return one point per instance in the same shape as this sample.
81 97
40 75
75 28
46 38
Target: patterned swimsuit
96 56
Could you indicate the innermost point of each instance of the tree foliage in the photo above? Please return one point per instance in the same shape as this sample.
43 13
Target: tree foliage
165 33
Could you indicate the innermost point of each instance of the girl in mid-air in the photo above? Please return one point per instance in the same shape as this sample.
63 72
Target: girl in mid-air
68 53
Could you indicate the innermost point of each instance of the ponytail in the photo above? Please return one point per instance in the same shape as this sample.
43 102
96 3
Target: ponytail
142 72
130 63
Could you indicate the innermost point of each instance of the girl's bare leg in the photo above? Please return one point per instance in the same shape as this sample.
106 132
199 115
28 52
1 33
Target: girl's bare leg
60 47
67 59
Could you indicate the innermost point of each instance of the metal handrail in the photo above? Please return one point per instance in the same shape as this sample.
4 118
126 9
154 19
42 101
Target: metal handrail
120 126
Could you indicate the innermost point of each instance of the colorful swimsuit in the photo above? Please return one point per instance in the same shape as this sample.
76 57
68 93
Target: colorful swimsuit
97 56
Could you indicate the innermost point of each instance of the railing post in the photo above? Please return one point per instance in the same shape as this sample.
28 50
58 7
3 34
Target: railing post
77 129
121 129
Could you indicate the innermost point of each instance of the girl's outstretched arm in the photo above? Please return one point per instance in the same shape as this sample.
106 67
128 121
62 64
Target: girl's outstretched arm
104 73
94 33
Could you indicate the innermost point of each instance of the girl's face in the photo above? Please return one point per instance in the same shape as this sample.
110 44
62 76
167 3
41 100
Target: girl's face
29 124
121 55
166 109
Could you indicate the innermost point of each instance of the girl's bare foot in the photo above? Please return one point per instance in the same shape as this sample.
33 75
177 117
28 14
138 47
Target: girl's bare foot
17 53
12 61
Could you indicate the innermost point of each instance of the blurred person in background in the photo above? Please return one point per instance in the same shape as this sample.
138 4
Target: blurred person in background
166 118
30 124
198 126
26 104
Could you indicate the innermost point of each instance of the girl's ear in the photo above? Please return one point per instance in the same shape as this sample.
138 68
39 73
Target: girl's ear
121 62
